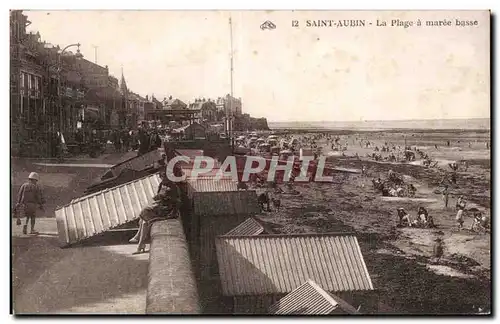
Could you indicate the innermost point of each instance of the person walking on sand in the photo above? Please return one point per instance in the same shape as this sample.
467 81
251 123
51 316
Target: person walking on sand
446 197
438 249
30 197
460 213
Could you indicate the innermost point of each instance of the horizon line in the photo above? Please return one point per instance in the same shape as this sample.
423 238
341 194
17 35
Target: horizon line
372 120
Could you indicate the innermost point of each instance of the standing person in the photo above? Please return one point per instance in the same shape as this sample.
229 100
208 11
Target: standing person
144 142
117 140
438 249
446 194
30 197
466 165
54 144
461 203
157 140
126 140
134 141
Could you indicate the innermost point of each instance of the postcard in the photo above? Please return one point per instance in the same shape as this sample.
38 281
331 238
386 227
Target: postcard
250 162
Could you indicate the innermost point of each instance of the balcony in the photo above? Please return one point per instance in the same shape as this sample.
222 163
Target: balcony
71 93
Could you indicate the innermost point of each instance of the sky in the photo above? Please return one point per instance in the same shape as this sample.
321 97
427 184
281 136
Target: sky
292 73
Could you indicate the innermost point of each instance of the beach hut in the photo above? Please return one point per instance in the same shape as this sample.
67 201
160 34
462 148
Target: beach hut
334 263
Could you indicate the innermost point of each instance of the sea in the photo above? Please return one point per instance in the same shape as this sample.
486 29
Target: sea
434 124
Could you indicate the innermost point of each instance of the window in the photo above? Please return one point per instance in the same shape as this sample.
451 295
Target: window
37 87
21 84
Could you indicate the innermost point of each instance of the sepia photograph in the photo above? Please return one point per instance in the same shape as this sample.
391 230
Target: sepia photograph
250 162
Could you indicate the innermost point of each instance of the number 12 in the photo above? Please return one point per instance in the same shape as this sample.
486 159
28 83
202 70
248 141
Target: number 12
295 23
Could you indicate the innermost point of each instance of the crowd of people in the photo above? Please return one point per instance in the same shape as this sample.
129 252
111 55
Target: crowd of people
141 140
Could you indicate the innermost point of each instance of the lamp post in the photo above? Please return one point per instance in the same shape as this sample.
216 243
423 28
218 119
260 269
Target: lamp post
78 55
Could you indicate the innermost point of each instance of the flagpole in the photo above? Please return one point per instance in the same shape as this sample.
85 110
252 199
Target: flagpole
231 38
231 99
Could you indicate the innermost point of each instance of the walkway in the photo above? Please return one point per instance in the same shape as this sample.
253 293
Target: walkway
88 279
103 277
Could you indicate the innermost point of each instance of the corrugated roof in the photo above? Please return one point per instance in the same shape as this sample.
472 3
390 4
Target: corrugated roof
104 210
249 227
307 299
311 299
136 163
270 264
211 184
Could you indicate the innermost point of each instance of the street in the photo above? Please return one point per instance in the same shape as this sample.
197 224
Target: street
101 276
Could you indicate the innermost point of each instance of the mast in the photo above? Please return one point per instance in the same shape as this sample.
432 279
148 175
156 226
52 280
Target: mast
95 53
230 125
231 38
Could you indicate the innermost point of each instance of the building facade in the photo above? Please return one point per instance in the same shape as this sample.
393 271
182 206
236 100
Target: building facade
230 105
38 87
51 88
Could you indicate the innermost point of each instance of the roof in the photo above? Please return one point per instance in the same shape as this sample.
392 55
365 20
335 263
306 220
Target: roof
310 299
274 264
249 227
196 104
171 102
136 163
104 210
211 184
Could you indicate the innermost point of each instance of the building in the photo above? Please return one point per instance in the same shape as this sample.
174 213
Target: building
258 270
28 74
114 84
50 89
216 207
141 110
136 108
153 110
170 109
46 89
230 105
93 75
173 104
